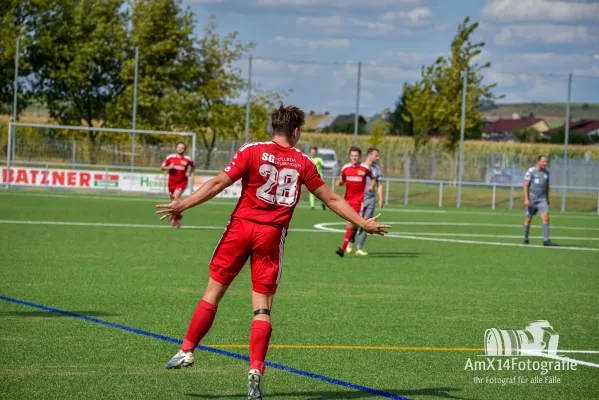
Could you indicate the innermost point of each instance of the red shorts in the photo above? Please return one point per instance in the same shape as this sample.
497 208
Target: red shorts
357 206
243 239
173 187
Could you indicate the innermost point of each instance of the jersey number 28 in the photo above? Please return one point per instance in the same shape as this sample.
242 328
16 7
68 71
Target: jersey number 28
286 181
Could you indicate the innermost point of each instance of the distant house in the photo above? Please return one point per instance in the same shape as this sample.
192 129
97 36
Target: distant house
506 127
348 118
588 126
325 123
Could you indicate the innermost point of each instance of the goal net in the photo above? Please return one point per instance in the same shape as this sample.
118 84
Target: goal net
75 157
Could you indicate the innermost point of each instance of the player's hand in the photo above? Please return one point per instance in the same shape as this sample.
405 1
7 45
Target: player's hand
171 166
381 204
373 228
170 210
188 174
339 183
527 203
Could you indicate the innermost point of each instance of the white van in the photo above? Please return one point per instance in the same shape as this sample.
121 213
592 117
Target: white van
331 164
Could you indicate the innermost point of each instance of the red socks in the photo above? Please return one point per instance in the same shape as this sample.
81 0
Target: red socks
200 324
347 238
259 339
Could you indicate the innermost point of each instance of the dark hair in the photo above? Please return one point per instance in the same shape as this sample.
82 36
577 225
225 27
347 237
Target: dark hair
314 148
370 150
183 143
539 159
354 148
286 119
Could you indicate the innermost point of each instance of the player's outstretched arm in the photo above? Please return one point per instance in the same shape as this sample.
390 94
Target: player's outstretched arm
345 211
208 190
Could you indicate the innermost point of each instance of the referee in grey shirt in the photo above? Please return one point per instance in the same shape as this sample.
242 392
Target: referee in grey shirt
536 198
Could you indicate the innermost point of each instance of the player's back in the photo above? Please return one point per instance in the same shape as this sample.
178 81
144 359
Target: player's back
271 177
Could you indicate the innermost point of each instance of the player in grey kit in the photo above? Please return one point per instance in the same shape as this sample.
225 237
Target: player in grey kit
536 198
374 187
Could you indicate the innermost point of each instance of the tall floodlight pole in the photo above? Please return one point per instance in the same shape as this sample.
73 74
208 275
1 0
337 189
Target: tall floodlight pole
462 128
356 121
247 104
134 124
567 133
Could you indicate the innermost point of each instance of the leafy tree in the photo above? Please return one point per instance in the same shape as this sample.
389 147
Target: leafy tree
205 104
379 130
401 120
529 135
574 137
163 32
436 100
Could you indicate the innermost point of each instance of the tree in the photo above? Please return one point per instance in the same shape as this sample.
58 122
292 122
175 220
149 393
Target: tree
163 32
574 137
529 135
205 104
436 100
77 50
379 129
13 24
401 120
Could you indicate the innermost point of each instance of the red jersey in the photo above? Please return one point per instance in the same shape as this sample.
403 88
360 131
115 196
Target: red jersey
180 166
271 176
355 181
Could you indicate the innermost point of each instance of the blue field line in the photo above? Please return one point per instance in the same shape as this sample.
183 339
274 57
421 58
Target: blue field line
210 349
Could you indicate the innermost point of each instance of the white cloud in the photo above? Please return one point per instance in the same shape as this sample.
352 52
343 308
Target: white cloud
313 44
374 28
540 10
414 16
596 57
346 4
543 33
267 66
333 21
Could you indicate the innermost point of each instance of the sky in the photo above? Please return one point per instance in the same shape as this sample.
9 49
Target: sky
310 49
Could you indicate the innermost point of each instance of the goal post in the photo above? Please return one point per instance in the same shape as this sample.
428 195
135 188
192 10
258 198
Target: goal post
78 157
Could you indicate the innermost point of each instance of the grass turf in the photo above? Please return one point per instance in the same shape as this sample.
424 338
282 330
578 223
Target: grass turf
407 293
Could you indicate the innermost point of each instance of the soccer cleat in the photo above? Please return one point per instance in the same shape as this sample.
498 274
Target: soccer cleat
255 385
549 243
324 208
349 248
339 252
526 241
181 359
312 208
361 252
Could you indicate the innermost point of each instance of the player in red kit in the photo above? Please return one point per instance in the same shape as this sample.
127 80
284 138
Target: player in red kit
180 167
353 176
271 174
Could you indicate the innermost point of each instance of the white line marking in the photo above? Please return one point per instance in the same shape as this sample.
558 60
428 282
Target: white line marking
325 227
451 234
558 358
156 198
150 226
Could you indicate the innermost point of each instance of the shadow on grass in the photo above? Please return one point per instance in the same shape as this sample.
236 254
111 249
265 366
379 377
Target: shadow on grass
48 314
443 393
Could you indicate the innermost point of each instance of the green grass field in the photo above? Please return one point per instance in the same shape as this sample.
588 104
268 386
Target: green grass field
401 323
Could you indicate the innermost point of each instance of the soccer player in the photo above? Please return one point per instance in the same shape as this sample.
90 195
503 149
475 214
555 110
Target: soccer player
319 162
353 175
536 198
180 167
271 174
372 161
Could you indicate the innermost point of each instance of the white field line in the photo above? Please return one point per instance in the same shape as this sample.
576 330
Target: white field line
155 198
559 358
325 226
319 228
